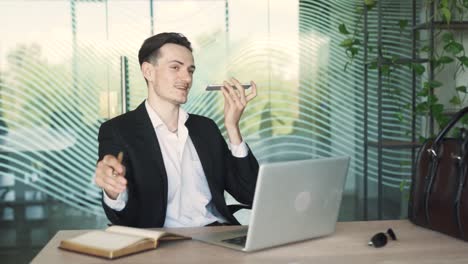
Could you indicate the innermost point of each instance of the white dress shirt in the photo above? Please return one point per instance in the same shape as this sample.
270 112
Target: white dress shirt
188 197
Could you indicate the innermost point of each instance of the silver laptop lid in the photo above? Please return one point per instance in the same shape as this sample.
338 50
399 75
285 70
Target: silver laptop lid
296 200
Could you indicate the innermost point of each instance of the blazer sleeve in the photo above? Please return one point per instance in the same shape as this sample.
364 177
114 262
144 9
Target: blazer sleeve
110 143
240 173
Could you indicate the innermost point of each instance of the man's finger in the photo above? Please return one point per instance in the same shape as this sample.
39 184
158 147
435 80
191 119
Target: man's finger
227 88
114 177
233 95
113 184
253 94
103 171
111 191
227 98
113 162
240 90
122 178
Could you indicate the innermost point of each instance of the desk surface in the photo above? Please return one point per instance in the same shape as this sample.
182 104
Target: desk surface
347 245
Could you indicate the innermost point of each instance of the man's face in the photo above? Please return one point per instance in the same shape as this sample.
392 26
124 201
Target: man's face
170 78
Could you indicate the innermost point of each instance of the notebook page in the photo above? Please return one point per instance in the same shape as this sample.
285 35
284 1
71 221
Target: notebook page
105 240
136 231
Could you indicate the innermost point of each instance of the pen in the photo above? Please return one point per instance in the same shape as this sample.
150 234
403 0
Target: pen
120 156
119 159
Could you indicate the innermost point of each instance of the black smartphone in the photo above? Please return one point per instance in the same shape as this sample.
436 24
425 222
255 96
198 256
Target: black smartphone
217 87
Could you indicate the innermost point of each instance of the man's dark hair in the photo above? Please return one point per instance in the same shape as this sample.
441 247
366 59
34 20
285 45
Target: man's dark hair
149 51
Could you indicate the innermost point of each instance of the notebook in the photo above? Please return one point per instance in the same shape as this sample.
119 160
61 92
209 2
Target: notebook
294 201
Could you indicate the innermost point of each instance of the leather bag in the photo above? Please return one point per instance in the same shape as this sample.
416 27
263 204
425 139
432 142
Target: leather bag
439 193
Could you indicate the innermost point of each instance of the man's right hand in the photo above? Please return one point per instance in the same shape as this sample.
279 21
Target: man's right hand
110 176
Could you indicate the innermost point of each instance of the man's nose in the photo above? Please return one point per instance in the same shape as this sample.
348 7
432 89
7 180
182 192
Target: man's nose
186 76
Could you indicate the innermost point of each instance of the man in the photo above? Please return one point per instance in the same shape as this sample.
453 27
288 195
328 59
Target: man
176 166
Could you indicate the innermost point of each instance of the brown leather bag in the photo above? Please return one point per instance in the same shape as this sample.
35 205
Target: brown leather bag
439 193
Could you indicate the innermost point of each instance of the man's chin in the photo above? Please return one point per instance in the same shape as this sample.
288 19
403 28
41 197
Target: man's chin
181 101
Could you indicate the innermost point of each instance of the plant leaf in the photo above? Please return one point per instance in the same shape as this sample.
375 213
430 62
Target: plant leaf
432 84
445 60
463 60
454 47
369 4
403 23
395 59
373 65
441 119
447 37
464 120
352 52
421 139
342 29
422 108
359 10
399 116
465 3
424 92
437 109
446 14
386 70
432 100
418 68
347 42
402 185
461 89
426 48
455 100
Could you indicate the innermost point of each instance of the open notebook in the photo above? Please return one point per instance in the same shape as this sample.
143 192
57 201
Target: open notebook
117 241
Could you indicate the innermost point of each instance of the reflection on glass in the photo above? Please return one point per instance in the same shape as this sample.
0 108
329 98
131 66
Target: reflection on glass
60 79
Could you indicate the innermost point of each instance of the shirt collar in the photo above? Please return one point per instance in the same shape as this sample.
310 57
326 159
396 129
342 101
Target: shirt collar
158 123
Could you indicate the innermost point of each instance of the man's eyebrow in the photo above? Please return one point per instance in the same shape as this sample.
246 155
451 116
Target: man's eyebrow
181 63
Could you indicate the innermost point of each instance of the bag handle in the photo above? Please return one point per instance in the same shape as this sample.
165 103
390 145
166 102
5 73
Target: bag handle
434 161
447 128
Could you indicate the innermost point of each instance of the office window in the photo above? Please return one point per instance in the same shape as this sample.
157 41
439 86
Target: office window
60 78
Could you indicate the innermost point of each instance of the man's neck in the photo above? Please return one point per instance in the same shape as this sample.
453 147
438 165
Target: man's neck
169 113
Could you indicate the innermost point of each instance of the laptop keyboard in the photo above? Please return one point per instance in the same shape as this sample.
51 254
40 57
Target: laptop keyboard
240 241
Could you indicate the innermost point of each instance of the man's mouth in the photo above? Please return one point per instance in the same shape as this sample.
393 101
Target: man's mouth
182 87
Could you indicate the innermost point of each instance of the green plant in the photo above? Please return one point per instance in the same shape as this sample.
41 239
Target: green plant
448 54
452 53
352 43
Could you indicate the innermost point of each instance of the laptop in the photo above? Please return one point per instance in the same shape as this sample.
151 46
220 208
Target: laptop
294 201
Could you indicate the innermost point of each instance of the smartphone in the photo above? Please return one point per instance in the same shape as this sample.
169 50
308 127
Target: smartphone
217 87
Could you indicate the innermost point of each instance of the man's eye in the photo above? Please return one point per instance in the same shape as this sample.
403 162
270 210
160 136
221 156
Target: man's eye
175 67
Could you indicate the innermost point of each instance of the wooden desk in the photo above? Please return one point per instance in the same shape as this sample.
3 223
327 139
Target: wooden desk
347 245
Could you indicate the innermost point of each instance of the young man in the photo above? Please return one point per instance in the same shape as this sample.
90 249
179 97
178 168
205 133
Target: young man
176 166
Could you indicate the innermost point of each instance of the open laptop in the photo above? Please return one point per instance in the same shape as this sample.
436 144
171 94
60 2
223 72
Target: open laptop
294 201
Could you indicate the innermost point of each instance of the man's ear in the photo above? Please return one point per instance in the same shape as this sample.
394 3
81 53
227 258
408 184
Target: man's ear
147 70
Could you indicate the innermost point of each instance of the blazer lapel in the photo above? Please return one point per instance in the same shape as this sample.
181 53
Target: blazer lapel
146 136
203 153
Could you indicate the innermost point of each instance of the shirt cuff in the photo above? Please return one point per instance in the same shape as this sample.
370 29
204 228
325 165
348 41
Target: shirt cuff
239 151
119 203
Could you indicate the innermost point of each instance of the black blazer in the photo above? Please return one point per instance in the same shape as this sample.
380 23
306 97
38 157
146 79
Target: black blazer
134 134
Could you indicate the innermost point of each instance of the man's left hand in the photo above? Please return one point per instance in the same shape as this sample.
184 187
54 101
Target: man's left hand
235 101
